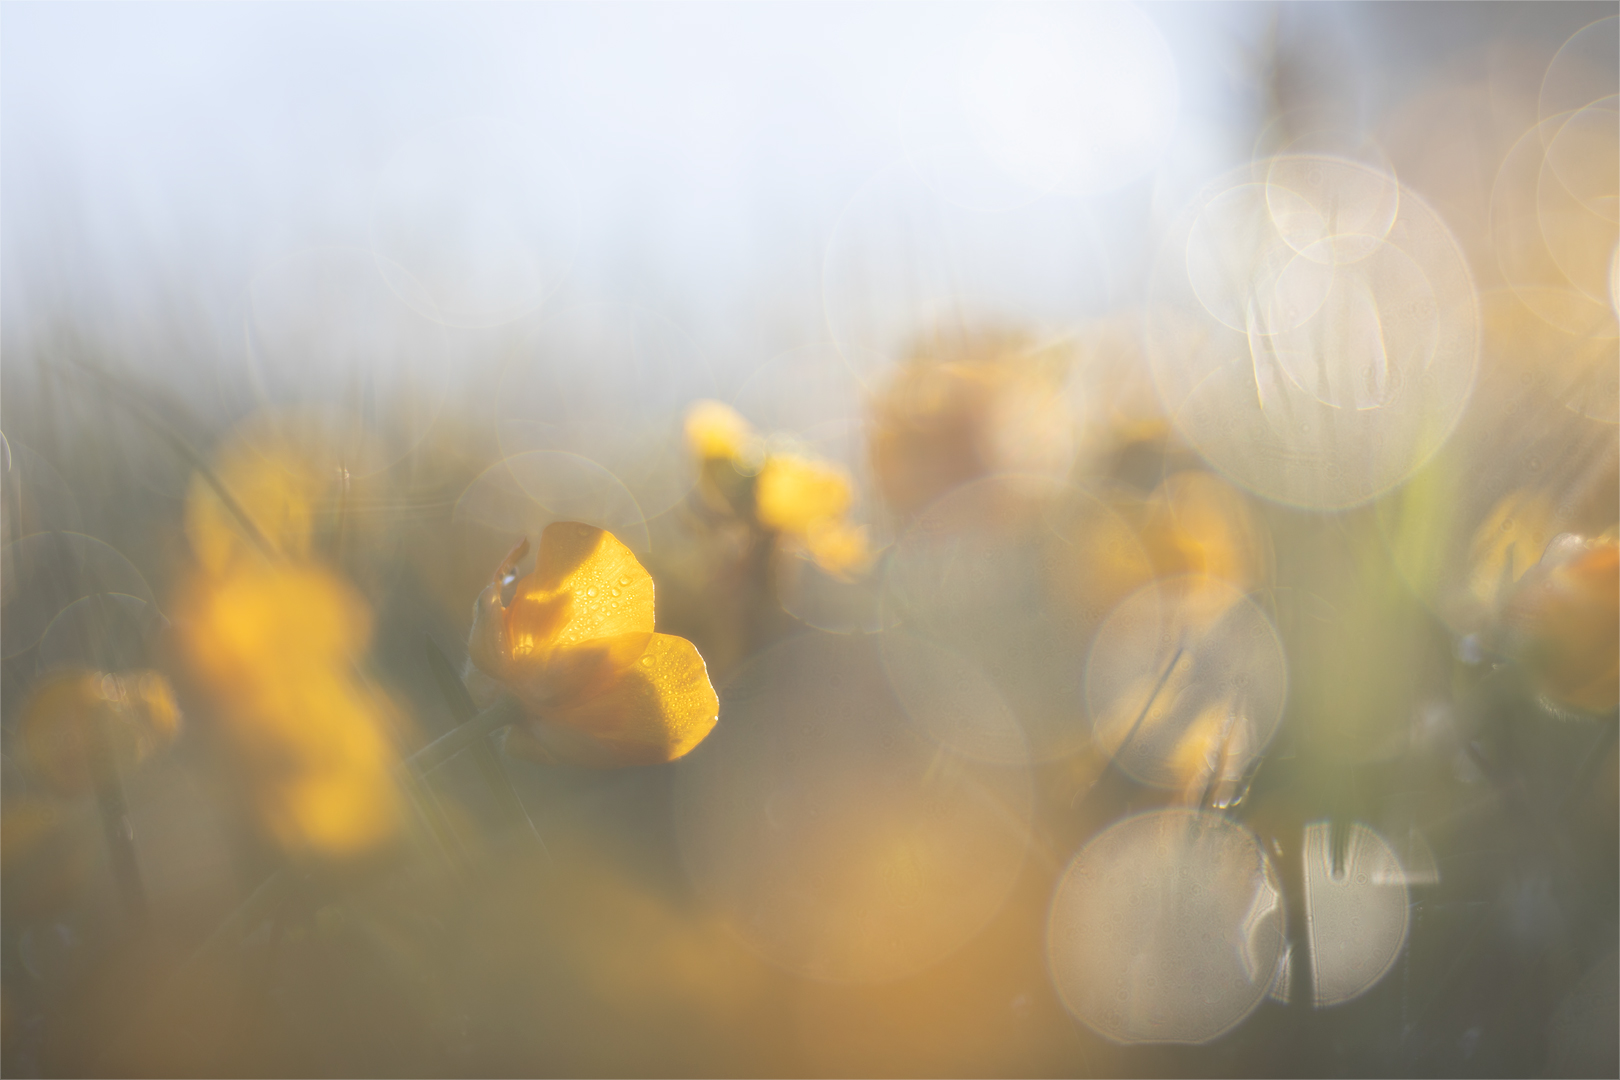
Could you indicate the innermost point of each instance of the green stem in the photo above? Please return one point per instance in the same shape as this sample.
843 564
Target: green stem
457 739
484 753
117 828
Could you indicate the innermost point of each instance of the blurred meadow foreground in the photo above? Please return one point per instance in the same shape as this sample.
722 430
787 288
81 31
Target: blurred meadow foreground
1070 540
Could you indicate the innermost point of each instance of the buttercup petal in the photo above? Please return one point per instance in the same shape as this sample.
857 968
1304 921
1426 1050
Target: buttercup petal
585 585
567 675
651 711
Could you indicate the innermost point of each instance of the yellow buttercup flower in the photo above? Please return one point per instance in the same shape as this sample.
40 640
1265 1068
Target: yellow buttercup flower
577 649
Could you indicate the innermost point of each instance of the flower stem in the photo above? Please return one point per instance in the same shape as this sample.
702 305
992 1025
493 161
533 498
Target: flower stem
116 826
459 738
488 759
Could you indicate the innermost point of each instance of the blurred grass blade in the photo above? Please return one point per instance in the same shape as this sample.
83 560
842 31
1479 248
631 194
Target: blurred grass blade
489 761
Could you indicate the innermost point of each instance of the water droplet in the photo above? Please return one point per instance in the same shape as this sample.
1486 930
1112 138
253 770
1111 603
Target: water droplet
590 592
647 660
624 581
615 593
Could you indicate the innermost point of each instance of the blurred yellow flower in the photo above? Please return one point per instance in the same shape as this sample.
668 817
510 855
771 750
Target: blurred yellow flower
805 502
273 646
794 493
1194 526
1196 523
1563 620
717 432
271 638
271 486
74 717
576 647
961 409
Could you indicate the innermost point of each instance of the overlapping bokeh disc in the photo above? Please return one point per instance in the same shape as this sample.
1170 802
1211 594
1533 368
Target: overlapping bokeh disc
523 494
1006 579
1186 682
1356 912
47 572
1313 330
1166 927
105 631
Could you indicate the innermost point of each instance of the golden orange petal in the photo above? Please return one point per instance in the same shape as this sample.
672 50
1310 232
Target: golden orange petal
651 711
585 585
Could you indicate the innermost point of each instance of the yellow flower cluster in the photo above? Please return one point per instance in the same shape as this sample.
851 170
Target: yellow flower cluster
802 501
271 636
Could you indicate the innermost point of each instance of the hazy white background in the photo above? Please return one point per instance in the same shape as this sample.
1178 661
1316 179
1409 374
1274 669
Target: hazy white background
696 161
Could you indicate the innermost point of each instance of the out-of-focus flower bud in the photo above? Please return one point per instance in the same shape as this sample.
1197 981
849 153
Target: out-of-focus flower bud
1562 620
805 502
964 408
576 647
76 723
717 432
794 493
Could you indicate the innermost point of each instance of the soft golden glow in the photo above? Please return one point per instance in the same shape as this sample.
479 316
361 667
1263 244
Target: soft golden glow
74 717
278 491
1507 544
795 494
964 407
1564 617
